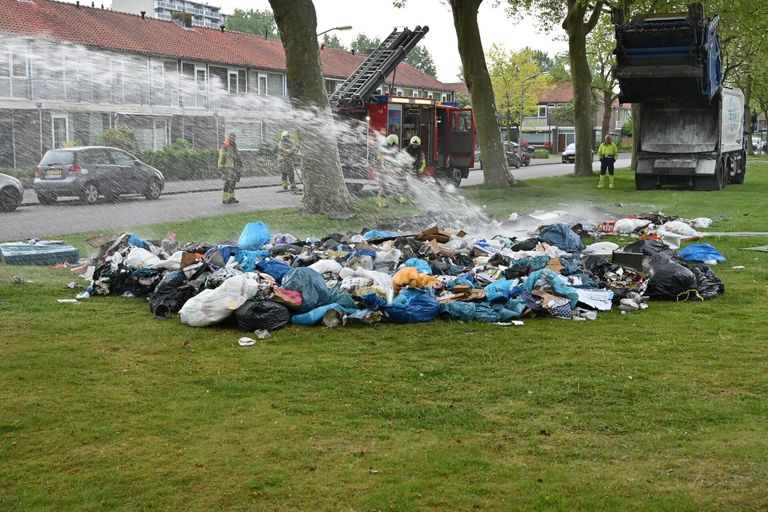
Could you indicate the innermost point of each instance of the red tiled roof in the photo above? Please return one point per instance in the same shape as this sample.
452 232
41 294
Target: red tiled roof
129 33
459 87
561 92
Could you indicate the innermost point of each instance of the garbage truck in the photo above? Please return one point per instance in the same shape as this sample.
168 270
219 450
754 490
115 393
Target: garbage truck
690 130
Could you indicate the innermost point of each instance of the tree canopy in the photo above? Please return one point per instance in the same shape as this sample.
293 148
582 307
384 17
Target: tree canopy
517 76
253 21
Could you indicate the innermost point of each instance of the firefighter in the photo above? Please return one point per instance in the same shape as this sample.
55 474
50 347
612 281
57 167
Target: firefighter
388 175
230 167
415 151
286 150
607 153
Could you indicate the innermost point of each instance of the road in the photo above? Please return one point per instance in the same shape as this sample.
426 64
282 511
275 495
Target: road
184 201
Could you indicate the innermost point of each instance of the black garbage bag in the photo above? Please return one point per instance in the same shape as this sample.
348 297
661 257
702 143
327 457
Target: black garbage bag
707 283
648 247
266 314
526 245
169 297
667 279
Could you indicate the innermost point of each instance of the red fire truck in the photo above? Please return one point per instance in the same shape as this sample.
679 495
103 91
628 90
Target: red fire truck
446 130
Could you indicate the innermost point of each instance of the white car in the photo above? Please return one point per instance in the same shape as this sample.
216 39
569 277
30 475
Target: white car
11 193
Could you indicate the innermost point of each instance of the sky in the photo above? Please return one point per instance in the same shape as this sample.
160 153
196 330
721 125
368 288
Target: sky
379 17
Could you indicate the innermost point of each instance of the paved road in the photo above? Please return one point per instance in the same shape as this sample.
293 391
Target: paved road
182 201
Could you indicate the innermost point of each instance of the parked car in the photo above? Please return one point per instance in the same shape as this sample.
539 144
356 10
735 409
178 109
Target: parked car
569 155
11 193
92 171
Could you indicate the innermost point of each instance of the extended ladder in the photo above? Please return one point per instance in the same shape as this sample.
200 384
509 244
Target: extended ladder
376 67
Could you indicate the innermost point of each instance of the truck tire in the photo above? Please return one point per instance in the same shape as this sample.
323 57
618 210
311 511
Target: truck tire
355 188
645 182
738 178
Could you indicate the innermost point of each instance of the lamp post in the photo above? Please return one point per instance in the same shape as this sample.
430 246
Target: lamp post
343 27
522 101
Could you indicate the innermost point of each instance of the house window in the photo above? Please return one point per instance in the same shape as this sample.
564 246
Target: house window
250 134
262 85
19 65
200 78
242 84
415 94
157 74
330 86
275 84
5 64
232 86
542 111
59 129
116 76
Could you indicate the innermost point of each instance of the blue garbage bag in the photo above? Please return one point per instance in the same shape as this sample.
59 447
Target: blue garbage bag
361 252
486 313
219 255
315 316
459 281
555 281
467 277
499 290
342 298
247 259
562 236
254 235
413 306
308 282
375 233
373 302
419 264
700 253
571 264
513 308
464 311
135 241
535 262
274 268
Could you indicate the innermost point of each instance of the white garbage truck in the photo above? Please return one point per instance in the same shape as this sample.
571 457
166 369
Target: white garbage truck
689 130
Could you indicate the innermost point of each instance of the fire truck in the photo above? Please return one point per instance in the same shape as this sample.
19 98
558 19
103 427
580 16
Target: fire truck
446 130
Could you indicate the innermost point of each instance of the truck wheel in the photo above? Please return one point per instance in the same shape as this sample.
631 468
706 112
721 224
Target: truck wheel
645 181
355 188
454 177
738 178
706 182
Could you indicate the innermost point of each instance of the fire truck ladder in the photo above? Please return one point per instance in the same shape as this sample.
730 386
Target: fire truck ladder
377 66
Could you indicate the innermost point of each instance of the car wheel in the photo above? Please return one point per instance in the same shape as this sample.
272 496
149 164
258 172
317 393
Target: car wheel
455 177
9 199
89 194
46 197
154 189
355 188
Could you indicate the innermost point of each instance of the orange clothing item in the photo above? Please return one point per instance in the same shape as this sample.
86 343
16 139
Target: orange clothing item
409 276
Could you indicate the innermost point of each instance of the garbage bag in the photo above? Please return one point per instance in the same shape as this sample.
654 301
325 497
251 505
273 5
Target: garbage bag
630 225
274 268
375 233
265 314
247 260
419 264
555 282
667 279
327 266
464 311
600 249
707 283
168 298
254 236
288 298
314 291
211 306
648 247
499 289
315 316
413 307
562 236
140 258
700 253
220 254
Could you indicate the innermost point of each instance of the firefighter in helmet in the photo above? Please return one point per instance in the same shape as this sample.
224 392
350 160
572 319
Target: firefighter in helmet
286 150
388 175
415 151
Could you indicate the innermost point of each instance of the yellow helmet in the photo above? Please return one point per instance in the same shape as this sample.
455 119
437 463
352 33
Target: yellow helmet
393 140
415 141
284 134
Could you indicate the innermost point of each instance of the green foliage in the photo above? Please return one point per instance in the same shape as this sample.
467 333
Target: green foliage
72 143
365 44
462 99
180 161
421 59
253 21
122 137
626 128
333 41
563 114
560 70
516 76
26 174
600 45
540 153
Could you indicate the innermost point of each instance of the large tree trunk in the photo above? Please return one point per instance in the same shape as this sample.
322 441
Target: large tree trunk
324 189
605 127
577 30
495 170
747 99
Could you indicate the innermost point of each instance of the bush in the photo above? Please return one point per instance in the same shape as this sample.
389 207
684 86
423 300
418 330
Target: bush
180 161
626 128
540 153
25 175
121 137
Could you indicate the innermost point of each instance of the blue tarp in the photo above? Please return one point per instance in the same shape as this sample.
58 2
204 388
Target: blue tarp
19 253
700 253
562 236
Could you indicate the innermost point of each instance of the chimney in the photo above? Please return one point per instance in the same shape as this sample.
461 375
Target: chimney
77 4
222 28
93 4
143 13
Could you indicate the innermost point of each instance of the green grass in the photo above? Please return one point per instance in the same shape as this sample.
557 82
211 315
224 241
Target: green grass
106 408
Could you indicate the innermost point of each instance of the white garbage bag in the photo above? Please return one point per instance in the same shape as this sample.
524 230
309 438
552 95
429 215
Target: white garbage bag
326 266
212 306
600 249
140 258
630 225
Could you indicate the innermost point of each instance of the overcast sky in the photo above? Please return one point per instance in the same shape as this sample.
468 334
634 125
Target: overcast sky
377 18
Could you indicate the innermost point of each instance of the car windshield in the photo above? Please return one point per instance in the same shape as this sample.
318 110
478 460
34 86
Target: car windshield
571 147
58 157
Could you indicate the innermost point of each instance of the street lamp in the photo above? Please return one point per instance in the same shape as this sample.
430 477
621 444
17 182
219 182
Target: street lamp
343 27
522 101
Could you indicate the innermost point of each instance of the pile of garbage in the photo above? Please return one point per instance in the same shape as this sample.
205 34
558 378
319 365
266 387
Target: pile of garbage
265 281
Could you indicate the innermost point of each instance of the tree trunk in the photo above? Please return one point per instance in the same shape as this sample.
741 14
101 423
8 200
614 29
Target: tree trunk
324 189
577 30
747 99
605 127
495 170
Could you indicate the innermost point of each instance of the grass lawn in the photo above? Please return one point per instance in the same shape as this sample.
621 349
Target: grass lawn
106 408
